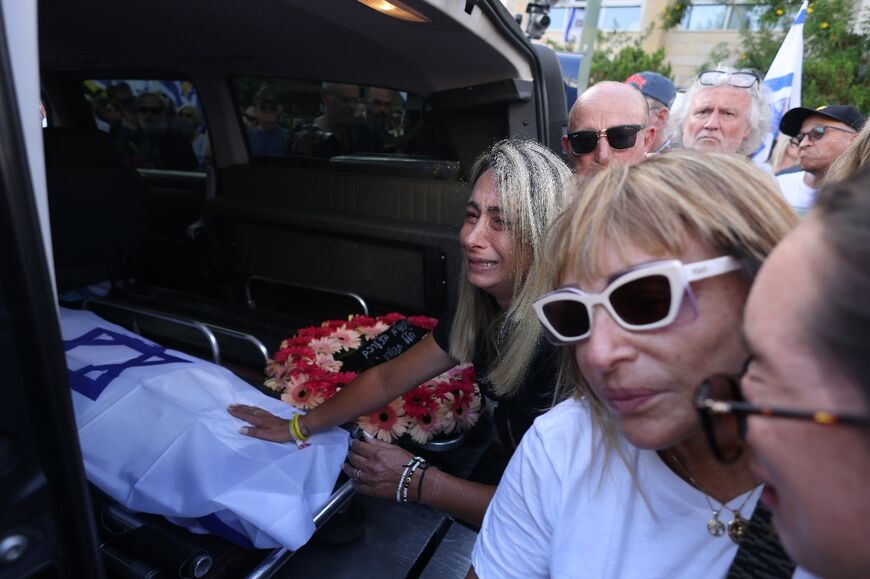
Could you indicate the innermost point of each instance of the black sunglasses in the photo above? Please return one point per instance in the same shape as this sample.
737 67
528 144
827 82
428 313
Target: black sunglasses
152 110
815 134
618 137
723 413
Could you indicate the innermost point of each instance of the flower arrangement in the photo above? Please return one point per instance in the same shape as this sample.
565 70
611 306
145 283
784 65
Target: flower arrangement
310 367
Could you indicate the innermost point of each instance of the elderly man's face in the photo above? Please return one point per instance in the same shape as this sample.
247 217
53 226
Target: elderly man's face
152 116
816 156
718 119
606 108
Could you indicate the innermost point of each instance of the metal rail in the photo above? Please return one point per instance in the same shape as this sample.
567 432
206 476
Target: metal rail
277 558
199 326
206 329
254 278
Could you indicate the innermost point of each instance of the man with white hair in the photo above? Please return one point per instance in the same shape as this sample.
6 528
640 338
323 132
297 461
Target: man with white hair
726 110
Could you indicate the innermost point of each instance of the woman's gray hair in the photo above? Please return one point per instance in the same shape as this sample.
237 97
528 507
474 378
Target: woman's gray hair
759 111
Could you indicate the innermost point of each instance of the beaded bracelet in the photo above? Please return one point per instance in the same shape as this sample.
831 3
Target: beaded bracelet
407 466
407 482
405 479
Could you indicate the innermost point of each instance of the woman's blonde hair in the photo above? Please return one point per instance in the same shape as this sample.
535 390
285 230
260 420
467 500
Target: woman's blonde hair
529 179
721 200
778 155
855 156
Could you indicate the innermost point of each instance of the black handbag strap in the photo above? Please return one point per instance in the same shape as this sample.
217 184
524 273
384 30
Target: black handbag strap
760 554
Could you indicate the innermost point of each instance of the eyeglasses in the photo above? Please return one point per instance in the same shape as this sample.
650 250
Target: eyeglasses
723 413
152 110
643 298
815 134
618 137
741 79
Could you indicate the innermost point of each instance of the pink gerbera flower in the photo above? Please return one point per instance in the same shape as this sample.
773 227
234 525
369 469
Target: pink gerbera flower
327 363
375 329
348 339
386 423
420 401
325 345
423 428
302 396
461 411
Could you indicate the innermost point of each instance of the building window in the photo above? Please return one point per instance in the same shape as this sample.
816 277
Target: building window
558 18
725 17
626 18
705 17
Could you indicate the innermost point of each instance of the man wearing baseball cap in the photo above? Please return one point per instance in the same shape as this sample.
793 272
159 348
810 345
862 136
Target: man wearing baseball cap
660 93
821 136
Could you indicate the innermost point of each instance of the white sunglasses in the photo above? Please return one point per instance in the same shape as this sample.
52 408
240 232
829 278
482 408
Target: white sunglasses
644 298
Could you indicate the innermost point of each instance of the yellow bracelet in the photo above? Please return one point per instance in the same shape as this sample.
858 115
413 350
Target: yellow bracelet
295 429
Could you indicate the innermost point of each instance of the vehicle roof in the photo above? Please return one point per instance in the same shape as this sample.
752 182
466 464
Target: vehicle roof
339 39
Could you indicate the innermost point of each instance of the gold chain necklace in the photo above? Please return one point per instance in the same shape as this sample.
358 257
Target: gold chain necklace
736 526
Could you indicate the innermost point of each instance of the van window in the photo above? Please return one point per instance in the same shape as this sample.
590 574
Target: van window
158 124
314 119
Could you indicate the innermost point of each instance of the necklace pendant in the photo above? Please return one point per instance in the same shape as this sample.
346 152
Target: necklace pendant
737 527
715 526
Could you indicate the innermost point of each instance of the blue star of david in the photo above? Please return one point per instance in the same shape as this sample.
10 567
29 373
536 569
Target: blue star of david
92 387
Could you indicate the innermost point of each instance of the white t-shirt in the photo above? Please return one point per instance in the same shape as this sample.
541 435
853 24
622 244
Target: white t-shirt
795 190
556 515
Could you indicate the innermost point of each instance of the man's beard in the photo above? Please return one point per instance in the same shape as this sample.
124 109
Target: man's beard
151 126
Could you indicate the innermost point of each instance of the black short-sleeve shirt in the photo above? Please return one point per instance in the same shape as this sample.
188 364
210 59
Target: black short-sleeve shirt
513 415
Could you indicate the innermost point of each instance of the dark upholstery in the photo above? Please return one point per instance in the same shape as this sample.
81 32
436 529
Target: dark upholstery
416 199
96 207
392 239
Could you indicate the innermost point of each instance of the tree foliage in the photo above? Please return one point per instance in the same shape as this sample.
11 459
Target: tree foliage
836 48
617 57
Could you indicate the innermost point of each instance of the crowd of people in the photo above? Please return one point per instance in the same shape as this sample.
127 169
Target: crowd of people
669 351
151 131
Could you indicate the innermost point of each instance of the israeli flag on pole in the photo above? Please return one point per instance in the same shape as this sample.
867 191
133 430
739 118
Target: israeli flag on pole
783 78
575 24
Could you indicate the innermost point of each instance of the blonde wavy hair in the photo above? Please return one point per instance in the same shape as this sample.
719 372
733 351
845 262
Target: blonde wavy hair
529 179
856 155
723 200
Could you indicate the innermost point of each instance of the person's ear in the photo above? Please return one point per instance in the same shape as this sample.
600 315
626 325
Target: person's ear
649 139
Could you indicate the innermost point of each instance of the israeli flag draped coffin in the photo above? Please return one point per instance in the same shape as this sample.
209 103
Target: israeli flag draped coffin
156 437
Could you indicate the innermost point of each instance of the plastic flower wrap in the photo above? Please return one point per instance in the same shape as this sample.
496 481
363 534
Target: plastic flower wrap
317 362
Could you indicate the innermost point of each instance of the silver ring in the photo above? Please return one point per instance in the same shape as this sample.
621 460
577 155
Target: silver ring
355 477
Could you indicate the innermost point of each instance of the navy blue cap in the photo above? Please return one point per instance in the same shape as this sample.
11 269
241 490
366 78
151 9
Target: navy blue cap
655 86
792 120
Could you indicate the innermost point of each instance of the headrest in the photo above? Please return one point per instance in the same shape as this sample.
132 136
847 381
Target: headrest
72 146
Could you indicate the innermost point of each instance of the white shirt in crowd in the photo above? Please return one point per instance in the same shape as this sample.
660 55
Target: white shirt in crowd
557 513
795 190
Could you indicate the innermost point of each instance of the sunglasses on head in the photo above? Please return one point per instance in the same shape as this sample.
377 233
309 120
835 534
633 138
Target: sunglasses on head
643 298
618 137
815 134
741 79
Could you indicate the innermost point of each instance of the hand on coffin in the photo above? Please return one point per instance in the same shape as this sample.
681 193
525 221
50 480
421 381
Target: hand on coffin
375 468
264 424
